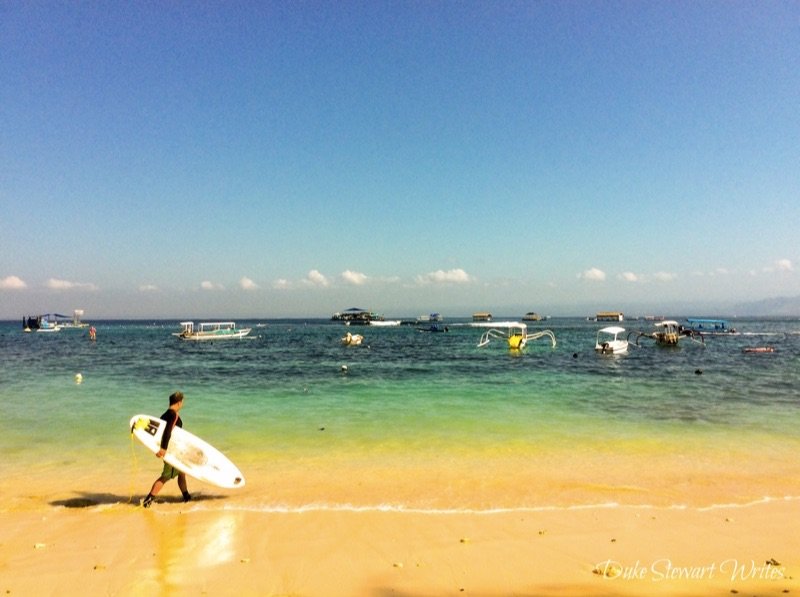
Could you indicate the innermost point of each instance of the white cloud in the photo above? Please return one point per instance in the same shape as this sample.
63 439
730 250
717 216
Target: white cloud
247 284
781 265
207 285
453 276
148 288
594 274
628 277
355 278
12 283
315 278
56 284
664 276
281 284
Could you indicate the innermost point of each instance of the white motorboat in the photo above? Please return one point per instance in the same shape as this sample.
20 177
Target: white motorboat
49 326
385 323
430 318
211 330
611 340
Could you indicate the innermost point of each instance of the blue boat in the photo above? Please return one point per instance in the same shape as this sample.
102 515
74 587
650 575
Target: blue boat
710 326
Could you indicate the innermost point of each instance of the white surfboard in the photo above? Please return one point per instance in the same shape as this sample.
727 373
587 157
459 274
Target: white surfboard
188 453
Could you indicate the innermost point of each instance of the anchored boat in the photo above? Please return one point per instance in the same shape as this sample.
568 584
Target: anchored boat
710 327
668 333
516 336
212 330
357 316
531 316
352 339
610 341
609 316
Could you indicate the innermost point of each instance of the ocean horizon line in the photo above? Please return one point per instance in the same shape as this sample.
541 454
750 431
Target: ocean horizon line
413 319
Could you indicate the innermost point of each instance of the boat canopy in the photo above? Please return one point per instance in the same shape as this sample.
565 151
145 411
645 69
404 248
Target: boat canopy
708 324
614 329
666 323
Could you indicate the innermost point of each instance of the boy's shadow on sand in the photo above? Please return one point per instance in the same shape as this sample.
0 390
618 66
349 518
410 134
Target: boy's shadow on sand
89 500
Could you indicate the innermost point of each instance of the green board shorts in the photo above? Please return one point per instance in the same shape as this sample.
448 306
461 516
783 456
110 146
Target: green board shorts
169 472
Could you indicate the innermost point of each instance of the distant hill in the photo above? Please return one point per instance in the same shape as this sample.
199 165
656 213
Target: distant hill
775 307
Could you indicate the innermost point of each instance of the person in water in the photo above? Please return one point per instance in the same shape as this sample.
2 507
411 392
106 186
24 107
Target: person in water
172 418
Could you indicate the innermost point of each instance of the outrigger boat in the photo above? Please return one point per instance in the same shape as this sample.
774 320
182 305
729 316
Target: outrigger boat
212 330
516 336
668 333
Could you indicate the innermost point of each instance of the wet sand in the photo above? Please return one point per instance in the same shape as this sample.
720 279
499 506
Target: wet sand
97 546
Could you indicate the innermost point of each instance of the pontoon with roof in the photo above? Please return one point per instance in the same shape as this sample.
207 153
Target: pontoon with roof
609 316
356 316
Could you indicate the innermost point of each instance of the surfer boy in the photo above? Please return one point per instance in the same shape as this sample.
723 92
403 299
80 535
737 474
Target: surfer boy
172 418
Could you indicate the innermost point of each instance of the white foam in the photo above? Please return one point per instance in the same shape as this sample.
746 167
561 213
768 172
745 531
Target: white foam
403 509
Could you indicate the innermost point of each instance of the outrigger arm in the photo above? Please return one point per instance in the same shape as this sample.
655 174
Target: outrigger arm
515 340
654 336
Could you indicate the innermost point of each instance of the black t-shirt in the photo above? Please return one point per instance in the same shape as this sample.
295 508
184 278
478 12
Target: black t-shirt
172 418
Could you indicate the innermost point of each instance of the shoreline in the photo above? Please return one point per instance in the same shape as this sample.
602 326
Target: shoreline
420 485
187 549
482 488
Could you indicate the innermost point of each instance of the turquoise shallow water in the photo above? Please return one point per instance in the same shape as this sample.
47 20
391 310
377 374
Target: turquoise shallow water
475 427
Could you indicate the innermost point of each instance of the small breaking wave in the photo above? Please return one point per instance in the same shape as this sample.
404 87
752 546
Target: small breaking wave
321 507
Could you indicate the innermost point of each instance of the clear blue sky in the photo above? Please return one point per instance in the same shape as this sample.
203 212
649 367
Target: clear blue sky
263 159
